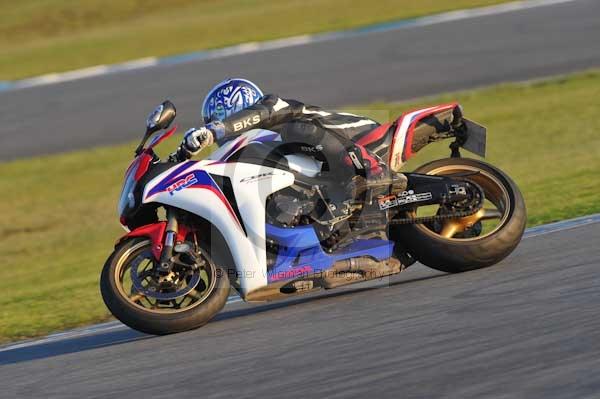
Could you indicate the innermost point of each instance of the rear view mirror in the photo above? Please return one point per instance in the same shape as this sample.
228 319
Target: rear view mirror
161 117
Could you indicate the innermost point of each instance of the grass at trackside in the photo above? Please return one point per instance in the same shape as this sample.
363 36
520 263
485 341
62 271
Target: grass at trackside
38 37
59 221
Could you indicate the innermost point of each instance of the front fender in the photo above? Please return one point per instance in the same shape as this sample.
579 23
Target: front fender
155 232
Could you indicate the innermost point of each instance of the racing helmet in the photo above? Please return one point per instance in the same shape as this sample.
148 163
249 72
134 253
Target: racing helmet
228 97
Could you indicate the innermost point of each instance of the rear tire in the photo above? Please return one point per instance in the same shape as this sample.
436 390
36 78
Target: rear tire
459 255
150 321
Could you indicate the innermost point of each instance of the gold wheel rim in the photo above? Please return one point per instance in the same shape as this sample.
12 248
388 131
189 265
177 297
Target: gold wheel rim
137 299
494 191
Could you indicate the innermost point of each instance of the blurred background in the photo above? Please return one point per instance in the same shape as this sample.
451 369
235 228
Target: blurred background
527 73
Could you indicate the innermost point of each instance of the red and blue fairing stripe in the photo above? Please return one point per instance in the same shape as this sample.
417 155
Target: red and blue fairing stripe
233 149
243 141
170 179
204 181
267 138
179 180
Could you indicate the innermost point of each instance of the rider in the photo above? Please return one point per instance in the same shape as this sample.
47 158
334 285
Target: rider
235 106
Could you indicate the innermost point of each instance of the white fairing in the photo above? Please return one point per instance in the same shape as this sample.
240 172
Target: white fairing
252 184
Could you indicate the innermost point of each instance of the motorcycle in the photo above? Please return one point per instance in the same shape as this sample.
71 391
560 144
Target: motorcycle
256 216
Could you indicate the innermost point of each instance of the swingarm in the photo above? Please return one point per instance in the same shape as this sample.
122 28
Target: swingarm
422 190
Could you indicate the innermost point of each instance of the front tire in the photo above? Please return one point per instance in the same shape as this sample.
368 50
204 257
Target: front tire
159 318
446 250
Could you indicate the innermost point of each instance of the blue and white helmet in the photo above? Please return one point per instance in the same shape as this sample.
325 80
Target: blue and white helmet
228 97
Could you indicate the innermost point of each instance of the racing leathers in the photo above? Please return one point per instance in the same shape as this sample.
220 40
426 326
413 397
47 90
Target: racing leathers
324 134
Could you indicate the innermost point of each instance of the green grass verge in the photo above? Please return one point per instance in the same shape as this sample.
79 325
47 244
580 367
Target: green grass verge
60 223
42 36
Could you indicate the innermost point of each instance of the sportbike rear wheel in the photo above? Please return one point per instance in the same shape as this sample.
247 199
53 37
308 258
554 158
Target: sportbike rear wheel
473 242
184 299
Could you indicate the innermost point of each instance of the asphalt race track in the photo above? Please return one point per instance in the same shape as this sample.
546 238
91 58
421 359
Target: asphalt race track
528 327
390 65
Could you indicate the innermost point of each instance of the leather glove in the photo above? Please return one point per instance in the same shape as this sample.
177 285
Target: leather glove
195 140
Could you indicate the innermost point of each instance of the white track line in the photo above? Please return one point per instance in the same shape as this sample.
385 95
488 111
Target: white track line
277 44
78 333
115 325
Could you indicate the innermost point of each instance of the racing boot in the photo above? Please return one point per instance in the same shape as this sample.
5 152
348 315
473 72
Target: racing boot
378 178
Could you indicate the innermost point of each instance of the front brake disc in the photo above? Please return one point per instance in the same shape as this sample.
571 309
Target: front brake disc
185 287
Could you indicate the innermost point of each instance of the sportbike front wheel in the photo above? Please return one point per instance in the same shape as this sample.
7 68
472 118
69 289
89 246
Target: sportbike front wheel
476 241
154 303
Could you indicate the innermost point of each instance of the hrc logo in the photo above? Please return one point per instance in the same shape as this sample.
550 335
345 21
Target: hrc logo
182 183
